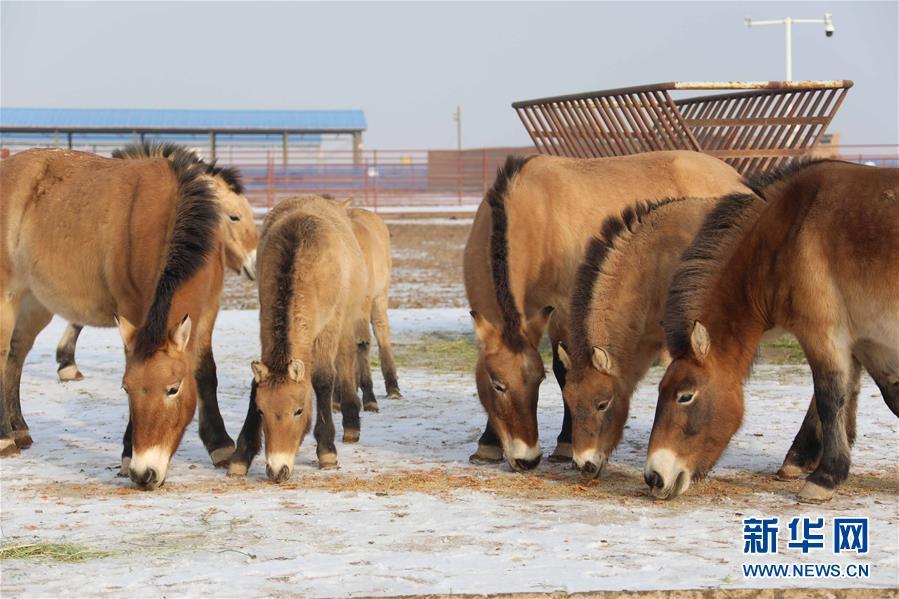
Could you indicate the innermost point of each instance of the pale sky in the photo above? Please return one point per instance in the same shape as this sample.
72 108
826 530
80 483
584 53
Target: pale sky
408 65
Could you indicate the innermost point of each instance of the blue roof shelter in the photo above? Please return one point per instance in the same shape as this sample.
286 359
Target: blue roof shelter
154 122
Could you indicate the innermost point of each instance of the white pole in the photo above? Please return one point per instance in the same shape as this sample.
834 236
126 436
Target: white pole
789 27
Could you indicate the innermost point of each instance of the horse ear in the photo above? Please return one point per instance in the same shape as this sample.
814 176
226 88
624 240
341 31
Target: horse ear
601 360
700 341
260 371
296 370
126 330
180 335
563 356
346 203
537 324
486 333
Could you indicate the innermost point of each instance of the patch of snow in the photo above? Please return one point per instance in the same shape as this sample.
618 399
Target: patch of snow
259 539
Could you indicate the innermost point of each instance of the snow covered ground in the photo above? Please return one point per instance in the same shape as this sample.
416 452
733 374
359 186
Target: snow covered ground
406 513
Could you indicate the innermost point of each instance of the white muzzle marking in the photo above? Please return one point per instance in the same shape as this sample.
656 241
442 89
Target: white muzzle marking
591 455
276 461
249 266
156 458
519 450
675 476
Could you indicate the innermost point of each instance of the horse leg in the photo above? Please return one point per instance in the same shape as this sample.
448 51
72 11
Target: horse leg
127 449
9 307
323 385
345 388
65 354
563 451
490 449
31 320
249 441
381 326
834 390
363 365
215 438
805 452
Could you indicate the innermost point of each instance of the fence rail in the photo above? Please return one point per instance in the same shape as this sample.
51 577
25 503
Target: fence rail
410 178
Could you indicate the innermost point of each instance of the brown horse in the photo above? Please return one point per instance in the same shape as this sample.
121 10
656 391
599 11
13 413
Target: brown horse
238 231
374 241
819 260
615 328
527 240
89 238
312 281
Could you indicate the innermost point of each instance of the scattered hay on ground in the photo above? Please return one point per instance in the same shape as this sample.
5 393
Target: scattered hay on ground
60 552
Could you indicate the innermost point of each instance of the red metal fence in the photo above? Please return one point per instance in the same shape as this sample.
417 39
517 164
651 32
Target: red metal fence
407 178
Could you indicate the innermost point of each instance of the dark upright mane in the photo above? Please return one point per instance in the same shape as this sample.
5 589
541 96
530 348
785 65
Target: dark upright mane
499 251
159 149
700 266
299 233
191 241
759 181
630 219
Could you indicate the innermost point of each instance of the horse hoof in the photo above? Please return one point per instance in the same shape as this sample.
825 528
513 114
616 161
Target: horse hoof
69 373
8 447
124 468
813 493
789 472
350 436
562 454
221 457
328 461
237 469
486 454
371 406
22 438
394 394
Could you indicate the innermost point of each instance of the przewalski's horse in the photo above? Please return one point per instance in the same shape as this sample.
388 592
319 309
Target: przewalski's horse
374 241
819 260
312 281
615 327
88 238
527 240
238 231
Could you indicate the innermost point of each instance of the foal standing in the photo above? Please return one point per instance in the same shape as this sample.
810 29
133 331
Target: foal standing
312 281
819 261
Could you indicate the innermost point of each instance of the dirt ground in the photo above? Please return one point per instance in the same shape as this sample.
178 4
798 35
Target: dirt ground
427 264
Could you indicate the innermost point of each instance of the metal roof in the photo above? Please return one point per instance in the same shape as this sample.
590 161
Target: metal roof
117 119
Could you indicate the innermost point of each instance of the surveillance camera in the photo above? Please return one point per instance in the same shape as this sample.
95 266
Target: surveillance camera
828 25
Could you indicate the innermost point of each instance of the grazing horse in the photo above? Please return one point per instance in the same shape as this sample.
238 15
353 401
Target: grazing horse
527 240
312 282
815 256
237 228
615 328
98 240
374 241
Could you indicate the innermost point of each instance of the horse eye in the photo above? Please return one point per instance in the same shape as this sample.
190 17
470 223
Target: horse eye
173 390
298 412
602 406
499 387
684 398
234 217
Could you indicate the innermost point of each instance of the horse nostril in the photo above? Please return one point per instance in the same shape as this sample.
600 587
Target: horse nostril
147 478
521 464
589 468
654 480
282 474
